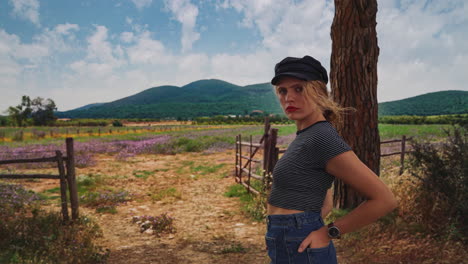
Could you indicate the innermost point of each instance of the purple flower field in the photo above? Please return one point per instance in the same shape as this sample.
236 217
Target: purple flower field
211 140
83 150
14 198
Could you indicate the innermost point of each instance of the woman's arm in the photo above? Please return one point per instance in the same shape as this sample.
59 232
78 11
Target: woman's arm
380 200
327 204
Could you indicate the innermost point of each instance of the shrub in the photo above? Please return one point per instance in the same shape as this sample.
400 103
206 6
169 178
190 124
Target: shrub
38 134
159 224
32 235
18 136
117 123
165 194
104 201
14 199
441 170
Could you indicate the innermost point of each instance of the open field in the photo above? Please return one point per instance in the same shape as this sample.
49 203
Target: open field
186 174
31 135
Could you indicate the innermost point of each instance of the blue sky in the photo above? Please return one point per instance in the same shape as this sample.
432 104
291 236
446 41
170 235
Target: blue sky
78 52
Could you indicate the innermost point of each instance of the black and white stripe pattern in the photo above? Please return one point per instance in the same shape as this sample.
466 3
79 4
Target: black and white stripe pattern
300 181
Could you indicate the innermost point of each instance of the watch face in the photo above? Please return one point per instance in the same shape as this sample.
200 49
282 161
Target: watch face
333 232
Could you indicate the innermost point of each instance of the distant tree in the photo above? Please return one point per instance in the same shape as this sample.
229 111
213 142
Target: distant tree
20 113
5 121
43 111
117 123
353 75
39 110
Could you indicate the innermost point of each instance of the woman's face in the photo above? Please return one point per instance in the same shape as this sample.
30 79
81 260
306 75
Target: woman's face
294 102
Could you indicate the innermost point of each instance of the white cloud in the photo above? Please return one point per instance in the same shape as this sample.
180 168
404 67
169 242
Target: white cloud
289 28
421 47
186 13
243 69
140 4
10 70
26 9
193 66
100 49
127 37
147 51
66 29
419 40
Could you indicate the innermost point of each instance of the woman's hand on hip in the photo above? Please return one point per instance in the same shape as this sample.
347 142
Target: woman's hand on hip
316 239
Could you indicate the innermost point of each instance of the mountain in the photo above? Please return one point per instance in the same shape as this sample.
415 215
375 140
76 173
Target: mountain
217 97
200 98
88 106
437 103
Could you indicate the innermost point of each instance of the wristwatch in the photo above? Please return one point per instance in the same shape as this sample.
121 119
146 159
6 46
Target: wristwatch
333 231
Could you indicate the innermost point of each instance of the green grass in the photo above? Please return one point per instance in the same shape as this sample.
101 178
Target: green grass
165 194
286 129
236 248
227 135
206 168
251 204
388 131
142 174
92 192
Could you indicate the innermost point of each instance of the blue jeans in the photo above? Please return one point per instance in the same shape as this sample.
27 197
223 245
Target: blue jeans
286 232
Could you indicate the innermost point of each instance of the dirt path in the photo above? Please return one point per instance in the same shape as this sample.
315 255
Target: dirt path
210 228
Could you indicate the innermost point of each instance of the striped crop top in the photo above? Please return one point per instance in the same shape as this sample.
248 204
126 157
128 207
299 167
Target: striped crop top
300 181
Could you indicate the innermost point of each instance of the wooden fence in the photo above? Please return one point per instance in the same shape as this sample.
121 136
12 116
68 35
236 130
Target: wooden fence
402 151
245 172
66 175
270 157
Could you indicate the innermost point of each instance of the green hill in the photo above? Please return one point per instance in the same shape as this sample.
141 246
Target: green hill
216 97
200 98
437 103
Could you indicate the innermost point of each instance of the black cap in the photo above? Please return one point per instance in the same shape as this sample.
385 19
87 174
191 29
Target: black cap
306 68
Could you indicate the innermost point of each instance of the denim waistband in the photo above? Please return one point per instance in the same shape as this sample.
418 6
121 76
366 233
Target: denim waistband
293 219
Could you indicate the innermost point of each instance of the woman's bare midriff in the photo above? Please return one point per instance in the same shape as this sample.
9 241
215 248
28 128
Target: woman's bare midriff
273 210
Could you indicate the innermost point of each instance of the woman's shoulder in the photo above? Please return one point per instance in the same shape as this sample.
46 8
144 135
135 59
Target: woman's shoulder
321 129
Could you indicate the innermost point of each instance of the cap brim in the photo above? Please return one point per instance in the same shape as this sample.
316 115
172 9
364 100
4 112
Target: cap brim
297 75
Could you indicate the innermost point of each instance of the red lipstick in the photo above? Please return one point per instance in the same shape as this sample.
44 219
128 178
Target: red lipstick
291 109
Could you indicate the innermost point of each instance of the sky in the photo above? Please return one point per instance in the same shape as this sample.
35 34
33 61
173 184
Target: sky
78 52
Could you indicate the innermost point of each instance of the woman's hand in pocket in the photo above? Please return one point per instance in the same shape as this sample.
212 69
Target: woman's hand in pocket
316 239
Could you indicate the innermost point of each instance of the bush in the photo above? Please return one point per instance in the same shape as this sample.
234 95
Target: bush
38 134
117 123
441 170
18 136
159 224
32 235
15 199
104 201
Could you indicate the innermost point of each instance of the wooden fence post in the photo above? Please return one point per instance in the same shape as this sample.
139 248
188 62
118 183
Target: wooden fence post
237 158
273 137
71 178
402 157
63 186
250 165
240 159
266 153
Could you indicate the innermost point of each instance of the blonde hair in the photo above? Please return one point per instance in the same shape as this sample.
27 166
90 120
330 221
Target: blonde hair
316 92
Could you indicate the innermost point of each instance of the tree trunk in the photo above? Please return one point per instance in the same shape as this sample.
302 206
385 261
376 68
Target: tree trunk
353 75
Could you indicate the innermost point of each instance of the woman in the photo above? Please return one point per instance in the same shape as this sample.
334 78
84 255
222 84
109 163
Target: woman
296 232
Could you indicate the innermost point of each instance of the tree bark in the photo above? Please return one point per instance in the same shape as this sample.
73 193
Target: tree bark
353 76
